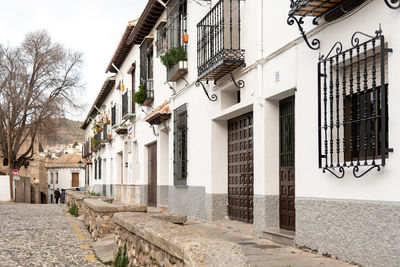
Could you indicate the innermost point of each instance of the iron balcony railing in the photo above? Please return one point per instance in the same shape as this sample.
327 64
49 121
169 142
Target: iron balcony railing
218 41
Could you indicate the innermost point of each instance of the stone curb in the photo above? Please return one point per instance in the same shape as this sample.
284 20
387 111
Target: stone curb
99 205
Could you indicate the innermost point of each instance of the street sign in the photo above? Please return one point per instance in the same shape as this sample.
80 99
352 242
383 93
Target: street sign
15 172
16 178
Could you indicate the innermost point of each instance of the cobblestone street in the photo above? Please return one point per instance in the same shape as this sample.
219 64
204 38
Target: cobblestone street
42 235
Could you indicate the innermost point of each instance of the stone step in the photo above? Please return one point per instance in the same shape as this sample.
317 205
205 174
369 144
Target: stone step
280 236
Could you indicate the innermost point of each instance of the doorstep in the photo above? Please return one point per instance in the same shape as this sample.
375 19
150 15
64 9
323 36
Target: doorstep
280 236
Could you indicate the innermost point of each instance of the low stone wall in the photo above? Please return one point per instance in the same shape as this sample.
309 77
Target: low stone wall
76 197
98 215
150 241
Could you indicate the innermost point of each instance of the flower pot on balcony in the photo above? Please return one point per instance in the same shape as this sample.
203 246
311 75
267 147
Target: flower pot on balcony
108 136
177 71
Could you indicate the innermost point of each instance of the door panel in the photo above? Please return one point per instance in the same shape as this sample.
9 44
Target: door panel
286 170
240 168
75 180
152 175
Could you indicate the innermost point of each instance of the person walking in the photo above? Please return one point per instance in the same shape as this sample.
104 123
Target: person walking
57 195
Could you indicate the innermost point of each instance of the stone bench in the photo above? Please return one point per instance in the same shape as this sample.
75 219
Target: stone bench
98 215
176 218
150 241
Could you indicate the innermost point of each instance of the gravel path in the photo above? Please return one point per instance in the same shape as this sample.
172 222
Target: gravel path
42 235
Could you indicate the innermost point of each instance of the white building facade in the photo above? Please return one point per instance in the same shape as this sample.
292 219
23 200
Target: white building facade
260 122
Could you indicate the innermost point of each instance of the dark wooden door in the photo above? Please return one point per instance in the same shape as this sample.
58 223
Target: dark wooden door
75 180
240 168
286 170
152 173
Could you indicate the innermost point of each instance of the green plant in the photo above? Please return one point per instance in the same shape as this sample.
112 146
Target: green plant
75 144
73 210
68 205
94 142
140 96
92 193
121 259
88 228
173 56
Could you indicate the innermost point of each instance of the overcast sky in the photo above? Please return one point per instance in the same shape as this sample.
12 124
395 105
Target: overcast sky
93 27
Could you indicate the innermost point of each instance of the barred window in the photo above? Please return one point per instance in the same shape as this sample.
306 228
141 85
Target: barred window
176 23
180 145
113 115
125 103
95 169
353 109
161 42
99 161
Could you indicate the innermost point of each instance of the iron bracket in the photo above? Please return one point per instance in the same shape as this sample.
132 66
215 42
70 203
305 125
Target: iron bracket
315 43
356 169
339 176
213 96
183 78
393 4
239 84
170 87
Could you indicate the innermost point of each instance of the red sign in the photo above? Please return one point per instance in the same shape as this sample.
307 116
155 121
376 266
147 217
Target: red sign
15 172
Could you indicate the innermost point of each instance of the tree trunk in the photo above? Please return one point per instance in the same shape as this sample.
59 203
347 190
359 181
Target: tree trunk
10 161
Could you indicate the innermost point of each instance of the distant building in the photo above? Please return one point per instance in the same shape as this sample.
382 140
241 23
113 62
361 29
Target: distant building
64 173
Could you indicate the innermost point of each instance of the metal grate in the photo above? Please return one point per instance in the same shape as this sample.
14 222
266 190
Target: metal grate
125 107
180 145
176 23
218 41
314 8
113 115
353 110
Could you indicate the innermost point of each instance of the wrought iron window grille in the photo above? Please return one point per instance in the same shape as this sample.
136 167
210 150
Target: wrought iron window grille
180 145
353 107
219 49
393 4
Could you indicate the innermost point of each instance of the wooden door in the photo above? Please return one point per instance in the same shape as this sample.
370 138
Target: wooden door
75 180
286 170
240 168
152 175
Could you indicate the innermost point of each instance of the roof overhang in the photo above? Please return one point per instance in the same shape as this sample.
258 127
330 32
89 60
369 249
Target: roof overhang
122 50
101 97
159 115
147 21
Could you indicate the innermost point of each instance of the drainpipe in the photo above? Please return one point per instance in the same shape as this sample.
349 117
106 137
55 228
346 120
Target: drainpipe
260 67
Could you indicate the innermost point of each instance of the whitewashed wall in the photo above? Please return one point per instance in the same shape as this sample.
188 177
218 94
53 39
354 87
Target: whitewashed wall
4 188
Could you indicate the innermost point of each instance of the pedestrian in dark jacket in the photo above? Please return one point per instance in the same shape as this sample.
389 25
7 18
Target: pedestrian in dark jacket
57 195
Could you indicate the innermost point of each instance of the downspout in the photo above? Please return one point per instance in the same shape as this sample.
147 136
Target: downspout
260 93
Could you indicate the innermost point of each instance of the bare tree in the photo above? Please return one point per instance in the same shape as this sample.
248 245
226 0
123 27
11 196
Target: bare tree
38 79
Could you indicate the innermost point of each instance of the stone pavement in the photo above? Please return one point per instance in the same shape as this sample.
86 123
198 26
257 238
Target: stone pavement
261 252
42 235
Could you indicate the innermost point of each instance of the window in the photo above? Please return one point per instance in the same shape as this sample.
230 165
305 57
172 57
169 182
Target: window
56 177
133 89
51 178
161 42
180 145
95 169
125 103
353 109
99 163
176 23
113 115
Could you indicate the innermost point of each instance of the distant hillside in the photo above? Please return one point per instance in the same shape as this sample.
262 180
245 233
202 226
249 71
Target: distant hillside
67 132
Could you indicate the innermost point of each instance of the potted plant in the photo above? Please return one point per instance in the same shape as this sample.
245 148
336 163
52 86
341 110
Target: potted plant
175 60
140 96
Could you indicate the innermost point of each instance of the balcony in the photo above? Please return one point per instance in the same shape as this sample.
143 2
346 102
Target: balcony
329 10
127 106
177 71
218 46
149 90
